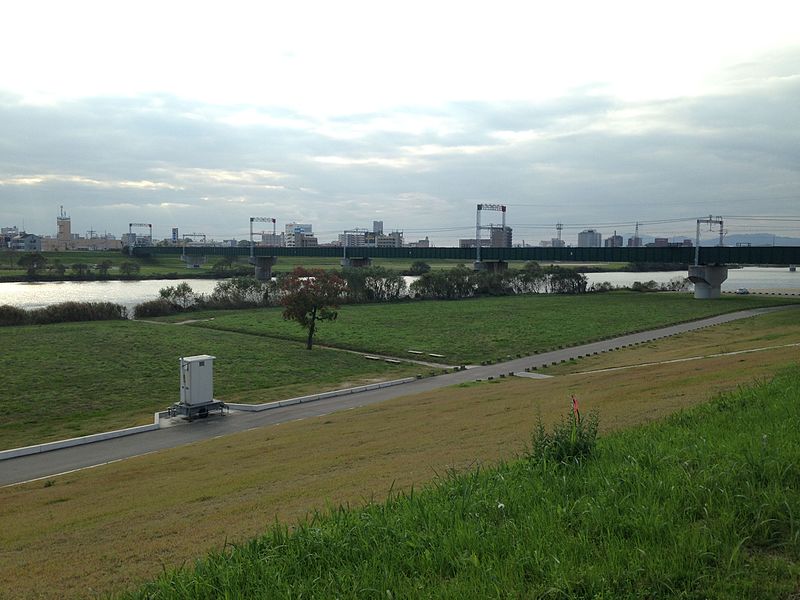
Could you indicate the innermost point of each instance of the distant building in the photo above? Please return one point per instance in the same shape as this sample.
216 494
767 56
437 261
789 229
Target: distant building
590 238
500 237
615 241
377 227
273 239
390 240
426 243
299 235
354 239
634 242
64 224
26 242
470 243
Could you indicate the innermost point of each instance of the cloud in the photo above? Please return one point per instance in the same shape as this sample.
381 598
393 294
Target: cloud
582 158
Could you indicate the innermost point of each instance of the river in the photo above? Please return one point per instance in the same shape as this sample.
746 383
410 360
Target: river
131 293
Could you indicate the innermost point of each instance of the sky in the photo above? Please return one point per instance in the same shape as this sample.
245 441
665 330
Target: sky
200 115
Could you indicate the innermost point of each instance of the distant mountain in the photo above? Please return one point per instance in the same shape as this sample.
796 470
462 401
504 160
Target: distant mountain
753 239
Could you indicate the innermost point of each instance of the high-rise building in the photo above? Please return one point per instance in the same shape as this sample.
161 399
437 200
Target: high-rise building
296 234
590 238
64 226
615 241
377 227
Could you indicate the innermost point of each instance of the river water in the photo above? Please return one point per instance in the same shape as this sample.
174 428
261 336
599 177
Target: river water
131 293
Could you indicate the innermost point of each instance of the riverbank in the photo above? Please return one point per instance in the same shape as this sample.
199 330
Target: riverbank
184 507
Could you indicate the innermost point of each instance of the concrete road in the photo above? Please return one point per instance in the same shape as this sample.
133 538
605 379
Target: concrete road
52 463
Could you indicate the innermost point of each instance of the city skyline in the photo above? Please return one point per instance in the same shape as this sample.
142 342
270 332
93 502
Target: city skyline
595 117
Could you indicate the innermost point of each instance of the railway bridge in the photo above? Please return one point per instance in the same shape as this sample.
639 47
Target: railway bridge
707 268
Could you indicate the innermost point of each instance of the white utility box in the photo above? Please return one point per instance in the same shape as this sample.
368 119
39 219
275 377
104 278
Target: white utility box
197 380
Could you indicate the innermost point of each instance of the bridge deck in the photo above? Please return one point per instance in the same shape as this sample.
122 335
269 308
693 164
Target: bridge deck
748 255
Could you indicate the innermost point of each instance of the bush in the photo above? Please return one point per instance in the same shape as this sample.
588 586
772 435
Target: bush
63 313
181 296
419 267
373 284
240 292
573 439
647 286
154 308
12 315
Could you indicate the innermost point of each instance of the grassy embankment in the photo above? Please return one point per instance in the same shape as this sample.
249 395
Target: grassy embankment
115 526
475 330
73 379
704 505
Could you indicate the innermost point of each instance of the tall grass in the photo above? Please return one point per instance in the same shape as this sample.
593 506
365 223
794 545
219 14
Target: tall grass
704 505
64 312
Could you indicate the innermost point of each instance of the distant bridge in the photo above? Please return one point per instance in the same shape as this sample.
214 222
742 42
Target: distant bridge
709 255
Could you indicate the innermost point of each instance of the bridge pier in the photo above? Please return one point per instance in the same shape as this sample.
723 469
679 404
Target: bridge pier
355 263
490 265
193 261
263 265
707 280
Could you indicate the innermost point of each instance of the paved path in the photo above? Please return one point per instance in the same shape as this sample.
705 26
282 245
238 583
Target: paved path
50 464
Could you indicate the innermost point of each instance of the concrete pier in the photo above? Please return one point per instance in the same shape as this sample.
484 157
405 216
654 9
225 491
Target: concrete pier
355 263
707 280
263 266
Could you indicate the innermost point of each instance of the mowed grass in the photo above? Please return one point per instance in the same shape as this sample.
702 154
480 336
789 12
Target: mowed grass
72 379
701 506
471 331
116 526
765 331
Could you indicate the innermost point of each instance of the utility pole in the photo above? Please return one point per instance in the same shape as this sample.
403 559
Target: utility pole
481 207
260 220
711 222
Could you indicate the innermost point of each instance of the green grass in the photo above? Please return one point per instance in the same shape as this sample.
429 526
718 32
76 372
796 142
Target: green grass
470 331
72 379
704 505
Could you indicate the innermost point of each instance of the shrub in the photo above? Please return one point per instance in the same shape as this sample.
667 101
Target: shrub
181 296
419 267
78 311
12 315
572 440
241 292
647 286
154 308
63 313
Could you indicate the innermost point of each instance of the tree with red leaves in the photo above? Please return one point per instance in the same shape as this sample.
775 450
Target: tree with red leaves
311 295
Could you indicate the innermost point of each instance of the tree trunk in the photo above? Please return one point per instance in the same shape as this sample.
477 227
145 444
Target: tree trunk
311 327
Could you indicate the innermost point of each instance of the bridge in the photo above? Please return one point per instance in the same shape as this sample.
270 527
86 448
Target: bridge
708 273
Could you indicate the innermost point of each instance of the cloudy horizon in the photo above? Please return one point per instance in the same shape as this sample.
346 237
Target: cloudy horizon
598 123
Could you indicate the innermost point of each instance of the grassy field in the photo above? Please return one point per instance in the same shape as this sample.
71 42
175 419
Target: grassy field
72 379
701 506
470 331
116 526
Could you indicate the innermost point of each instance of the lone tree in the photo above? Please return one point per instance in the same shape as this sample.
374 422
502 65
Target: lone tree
33 263
311 295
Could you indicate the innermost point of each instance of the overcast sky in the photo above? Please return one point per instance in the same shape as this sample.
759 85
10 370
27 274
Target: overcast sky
200 115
